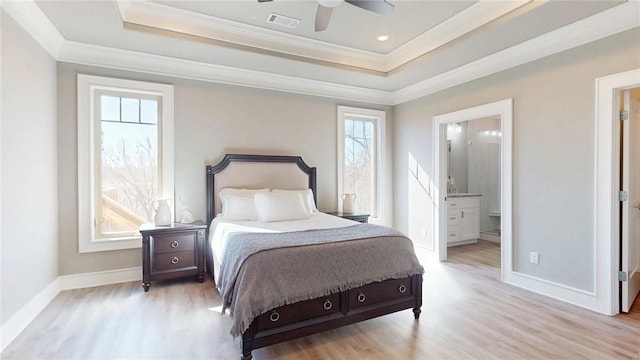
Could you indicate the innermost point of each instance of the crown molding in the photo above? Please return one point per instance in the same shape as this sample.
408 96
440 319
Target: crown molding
479 14
85 54
609 22
34 21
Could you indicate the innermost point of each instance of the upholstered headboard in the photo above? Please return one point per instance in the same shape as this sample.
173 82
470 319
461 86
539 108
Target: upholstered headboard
256 172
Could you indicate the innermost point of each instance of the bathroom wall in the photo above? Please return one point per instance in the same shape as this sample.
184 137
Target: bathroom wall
457 133
483 169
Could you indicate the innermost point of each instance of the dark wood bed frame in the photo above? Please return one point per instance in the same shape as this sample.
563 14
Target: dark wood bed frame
308 317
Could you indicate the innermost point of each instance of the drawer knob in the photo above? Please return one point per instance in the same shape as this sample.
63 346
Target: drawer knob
175 244
402 288
361 298
174 260
274 316
327 305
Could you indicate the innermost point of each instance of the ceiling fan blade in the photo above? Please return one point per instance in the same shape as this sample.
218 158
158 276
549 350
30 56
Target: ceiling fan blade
264 0
377 6
323 15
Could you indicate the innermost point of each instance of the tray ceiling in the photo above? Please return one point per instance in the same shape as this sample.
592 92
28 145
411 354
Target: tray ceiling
430 42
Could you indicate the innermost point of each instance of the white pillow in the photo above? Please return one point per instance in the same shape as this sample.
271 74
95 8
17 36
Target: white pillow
239 192
239 208
280 206
239 204
307 196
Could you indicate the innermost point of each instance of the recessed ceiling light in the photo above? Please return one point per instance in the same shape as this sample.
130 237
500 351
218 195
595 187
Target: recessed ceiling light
383 37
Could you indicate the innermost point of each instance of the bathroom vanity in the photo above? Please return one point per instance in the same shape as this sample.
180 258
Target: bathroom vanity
463 218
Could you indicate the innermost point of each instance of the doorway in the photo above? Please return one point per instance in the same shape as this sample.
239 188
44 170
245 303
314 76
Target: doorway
473 181
629 187
610 256
503 112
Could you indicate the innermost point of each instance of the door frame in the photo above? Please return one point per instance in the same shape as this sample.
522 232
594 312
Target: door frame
607 175
503 109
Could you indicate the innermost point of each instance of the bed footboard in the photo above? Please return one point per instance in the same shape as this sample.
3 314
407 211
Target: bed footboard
308 317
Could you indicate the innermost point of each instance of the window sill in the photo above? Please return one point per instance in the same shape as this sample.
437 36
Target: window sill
95 245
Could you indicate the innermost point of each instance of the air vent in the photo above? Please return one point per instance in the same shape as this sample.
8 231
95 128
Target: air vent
282 20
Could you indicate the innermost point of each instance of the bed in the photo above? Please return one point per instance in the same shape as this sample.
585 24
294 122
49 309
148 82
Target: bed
283 277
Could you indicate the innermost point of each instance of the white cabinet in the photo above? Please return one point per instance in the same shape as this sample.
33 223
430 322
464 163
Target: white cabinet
463 220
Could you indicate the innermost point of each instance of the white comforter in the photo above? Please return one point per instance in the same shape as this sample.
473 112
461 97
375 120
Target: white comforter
221 230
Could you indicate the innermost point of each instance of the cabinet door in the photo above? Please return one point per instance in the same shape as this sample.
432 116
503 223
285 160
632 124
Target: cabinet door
469 224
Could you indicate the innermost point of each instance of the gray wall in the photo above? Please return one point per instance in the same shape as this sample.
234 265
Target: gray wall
29 260
210 120
553 152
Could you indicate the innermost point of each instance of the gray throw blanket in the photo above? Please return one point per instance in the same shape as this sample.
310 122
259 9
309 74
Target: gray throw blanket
262 271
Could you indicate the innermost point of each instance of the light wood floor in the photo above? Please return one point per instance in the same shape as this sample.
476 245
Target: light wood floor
467 314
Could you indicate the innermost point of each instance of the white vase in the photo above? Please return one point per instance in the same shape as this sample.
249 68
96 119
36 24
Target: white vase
163 211
348 203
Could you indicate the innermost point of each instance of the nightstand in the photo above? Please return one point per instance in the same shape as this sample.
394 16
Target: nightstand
356 216
172 251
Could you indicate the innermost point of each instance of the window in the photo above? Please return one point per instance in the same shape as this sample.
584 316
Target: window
360 160
125 158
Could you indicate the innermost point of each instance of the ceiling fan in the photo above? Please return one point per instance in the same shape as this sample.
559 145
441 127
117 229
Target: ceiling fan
325 7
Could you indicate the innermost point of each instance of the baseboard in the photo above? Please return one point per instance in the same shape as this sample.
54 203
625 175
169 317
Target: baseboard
582 298
21 319
79 281
462 242
490 237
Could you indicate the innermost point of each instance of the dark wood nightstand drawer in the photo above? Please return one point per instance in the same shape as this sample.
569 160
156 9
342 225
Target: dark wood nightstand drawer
173 261
173 242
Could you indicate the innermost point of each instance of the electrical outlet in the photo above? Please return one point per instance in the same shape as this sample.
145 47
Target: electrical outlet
424 232
534 257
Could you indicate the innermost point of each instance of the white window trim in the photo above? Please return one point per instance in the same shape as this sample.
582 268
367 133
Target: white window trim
381 135
87 84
